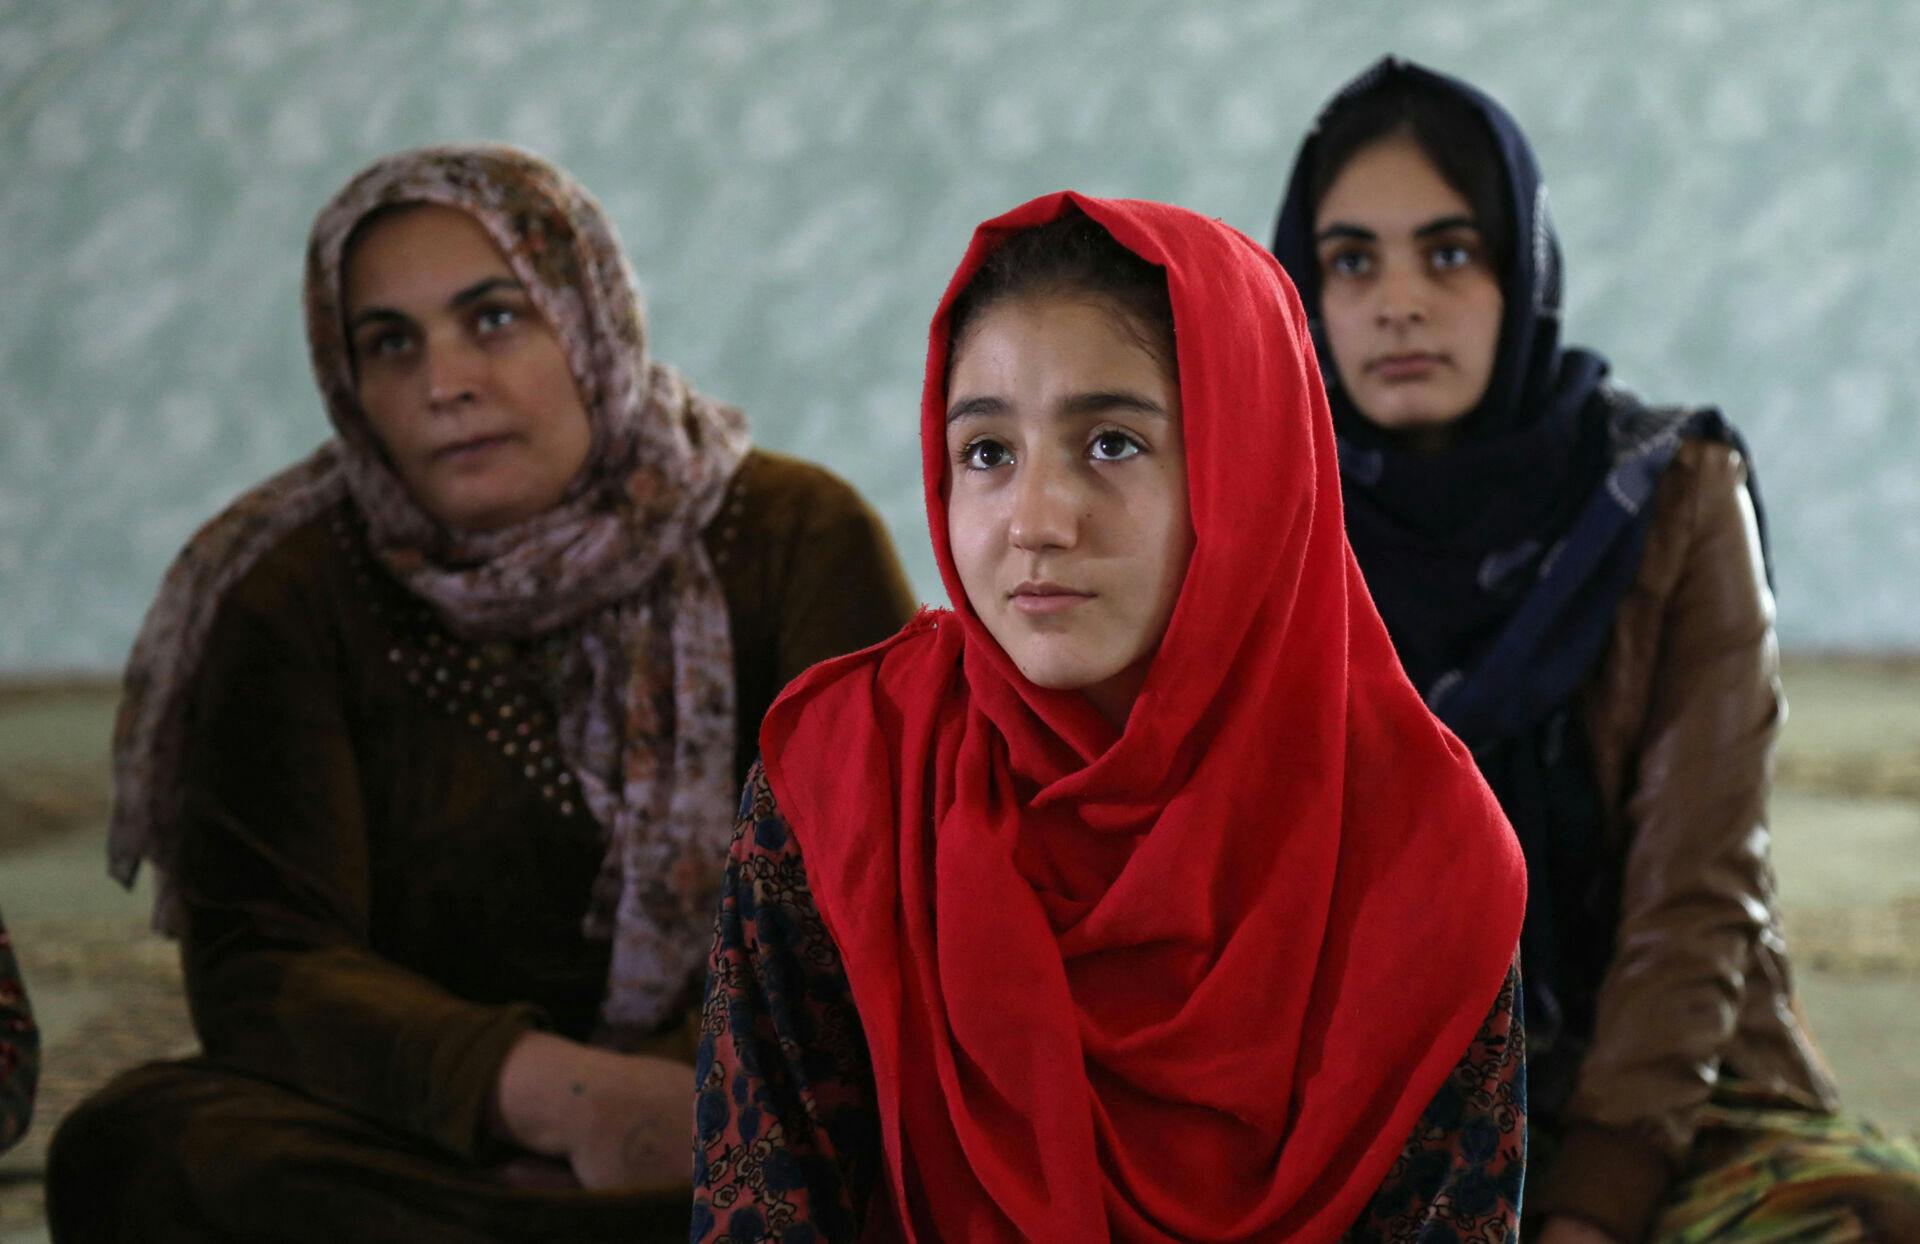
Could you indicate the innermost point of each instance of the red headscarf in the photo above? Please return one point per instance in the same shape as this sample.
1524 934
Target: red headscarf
1198 978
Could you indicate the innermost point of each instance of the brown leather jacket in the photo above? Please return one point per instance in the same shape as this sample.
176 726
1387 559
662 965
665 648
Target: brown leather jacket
1682 713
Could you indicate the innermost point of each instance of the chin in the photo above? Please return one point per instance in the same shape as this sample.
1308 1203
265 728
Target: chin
1045 670
1399 415
478 518
488 510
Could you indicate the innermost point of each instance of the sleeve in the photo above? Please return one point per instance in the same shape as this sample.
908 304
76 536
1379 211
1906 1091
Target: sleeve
786 1139
19 1049
1459 1176
845 589
274 873
1697 892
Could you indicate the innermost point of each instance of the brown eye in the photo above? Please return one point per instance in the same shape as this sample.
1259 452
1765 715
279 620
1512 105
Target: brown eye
493 319
984 454
386 343
1114 446
1349 263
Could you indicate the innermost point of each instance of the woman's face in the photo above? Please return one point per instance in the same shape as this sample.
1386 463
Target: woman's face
463 381
1410 302
1067 493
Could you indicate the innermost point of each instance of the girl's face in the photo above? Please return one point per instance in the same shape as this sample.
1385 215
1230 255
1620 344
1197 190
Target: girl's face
465 384
1410 302
1067 493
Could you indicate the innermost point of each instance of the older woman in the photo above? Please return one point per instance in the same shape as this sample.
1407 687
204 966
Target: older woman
1577 584
1139 897
435 738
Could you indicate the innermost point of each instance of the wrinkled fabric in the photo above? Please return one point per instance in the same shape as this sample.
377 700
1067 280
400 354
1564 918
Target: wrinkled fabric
785 1082
1763 1175
1197 977
614 578
1681 715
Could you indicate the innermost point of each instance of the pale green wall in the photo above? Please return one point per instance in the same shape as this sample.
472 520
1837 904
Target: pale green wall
794 179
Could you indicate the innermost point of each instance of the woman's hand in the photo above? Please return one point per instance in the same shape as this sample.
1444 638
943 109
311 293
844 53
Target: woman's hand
633 1124
621 1121
1572 1231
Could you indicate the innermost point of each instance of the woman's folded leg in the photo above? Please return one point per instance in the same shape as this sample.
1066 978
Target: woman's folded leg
195 1151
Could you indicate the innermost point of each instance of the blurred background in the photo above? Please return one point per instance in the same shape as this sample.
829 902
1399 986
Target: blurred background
1737 185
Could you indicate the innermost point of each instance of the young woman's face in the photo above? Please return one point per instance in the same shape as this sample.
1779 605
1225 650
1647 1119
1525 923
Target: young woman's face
1410 302
1067 493
463 381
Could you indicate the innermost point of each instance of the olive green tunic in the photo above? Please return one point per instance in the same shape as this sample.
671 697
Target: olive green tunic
385 869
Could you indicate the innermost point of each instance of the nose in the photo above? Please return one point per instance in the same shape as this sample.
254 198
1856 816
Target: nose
453 367
1045 508
1400 297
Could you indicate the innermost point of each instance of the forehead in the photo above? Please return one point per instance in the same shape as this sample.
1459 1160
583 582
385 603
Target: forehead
1054 341
1389 186
418 252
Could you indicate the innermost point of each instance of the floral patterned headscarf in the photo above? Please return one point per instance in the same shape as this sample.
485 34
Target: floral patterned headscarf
618 563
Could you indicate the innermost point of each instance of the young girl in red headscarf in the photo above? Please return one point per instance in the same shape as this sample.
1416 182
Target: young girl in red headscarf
1138 897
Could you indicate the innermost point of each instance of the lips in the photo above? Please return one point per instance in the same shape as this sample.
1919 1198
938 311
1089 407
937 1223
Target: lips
1412 365
1044 597
470 447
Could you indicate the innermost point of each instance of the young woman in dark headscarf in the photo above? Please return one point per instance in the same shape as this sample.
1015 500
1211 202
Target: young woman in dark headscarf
436 739
1577 584
1138 897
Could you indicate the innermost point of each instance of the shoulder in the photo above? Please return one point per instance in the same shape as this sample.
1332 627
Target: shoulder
1703 492
777 487
805 562
1702 504
303 571
782 514
923 652
1705 467
285 614
834 709
1699 453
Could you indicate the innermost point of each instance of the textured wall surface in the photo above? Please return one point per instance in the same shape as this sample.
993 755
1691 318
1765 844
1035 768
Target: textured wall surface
1738 185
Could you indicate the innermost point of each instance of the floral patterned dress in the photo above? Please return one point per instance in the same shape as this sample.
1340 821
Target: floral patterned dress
787 1141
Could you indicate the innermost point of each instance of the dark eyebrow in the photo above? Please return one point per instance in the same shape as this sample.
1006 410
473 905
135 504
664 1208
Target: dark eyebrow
373 315
975 408
480 289
1443 224
472 293
1080 404
1104 400
1354 232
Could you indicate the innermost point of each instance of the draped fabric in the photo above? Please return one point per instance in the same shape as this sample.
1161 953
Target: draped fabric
1197 977
1498 562
612 583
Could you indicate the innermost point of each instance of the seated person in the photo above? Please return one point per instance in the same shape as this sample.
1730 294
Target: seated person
19 1049
436 738
1577 584
1138 897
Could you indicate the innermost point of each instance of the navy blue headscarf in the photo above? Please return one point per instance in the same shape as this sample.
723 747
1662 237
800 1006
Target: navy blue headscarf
1499 562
